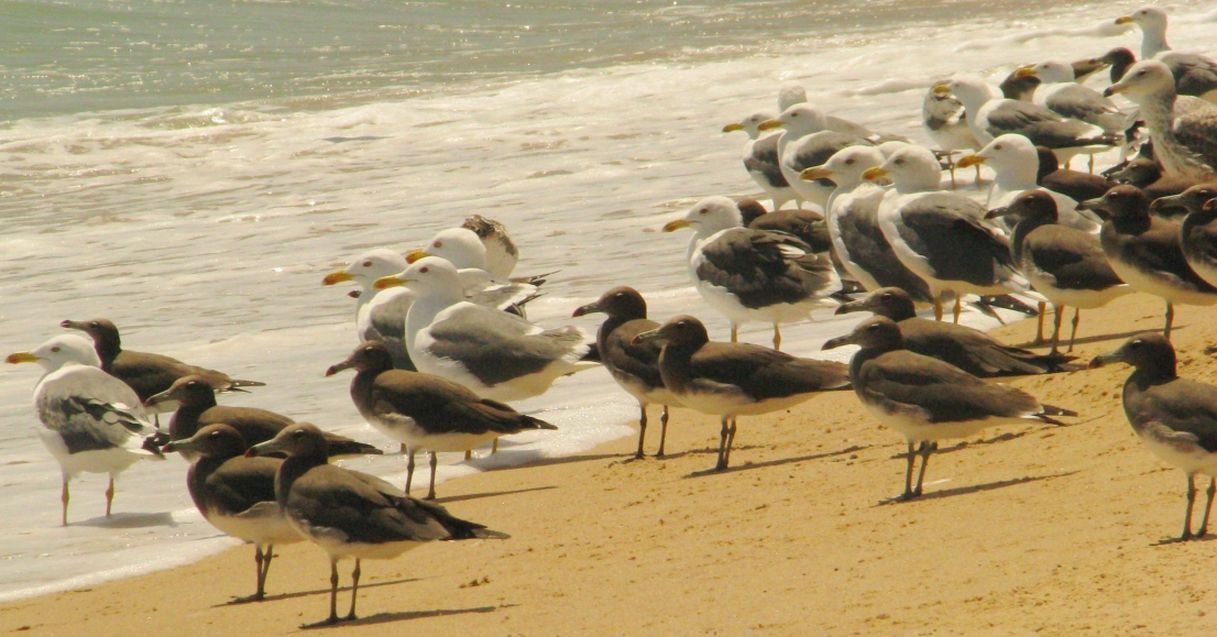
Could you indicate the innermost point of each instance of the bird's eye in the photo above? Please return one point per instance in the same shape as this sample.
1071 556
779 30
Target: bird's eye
55 349
794 114
849 162
873 326
886 295
899 162
425 270
367 264
703 211
298 433
94 324
215 434
438 244
998 147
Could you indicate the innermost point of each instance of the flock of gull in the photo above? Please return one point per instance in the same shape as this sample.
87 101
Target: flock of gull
877 226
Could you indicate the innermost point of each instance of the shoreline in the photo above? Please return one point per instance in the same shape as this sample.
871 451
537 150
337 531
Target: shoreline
1022 528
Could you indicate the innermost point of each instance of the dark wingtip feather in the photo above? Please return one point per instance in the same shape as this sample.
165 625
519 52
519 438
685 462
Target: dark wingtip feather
1046 411
245 383
528 422
346 447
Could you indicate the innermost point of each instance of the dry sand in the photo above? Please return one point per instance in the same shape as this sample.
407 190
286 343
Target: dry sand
1023 530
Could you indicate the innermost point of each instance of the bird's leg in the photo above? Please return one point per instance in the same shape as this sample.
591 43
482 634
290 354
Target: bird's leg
777 337
642 429
404 449
434 463
494 446
958 307
259 564
468 454
734 333
109 496
722 446
354 589
409 469
1091 164
333 618
926 450
1208 508
1077 318
730 441
908 474
937 309
1039 328
1191 501
1057 315
951 169
267 555
1170 319
978 180
663 431
64 497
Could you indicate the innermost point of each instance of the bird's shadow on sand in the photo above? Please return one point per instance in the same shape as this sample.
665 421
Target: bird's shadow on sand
129 520
241 601
490 494
384 618
778 462
974 488
1095 338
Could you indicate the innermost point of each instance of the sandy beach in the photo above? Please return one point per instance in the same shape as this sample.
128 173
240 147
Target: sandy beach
1038 530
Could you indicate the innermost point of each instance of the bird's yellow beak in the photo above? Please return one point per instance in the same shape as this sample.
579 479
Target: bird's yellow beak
21 357
873 173
1124 19
732 127
1024 71
386 282
673 226
969 160
942 88
415 255
335 277
814 173
770 124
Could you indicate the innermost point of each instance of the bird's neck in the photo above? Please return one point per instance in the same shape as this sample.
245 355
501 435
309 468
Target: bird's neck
185 421
676 364
1153 42
1159 110
361 388
861 357
290 471
1024 228
196 478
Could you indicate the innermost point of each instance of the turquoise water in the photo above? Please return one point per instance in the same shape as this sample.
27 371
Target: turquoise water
75 56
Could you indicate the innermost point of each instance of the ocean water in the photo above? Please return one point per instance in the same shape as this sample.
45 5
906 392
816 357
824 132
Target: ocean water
192 168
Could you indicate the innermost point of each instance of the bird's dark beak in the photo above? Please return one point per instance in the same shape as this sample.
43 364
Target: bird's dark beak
852 306
834 343
582 310
1107 359
648 335
997 212
1171 202
338 367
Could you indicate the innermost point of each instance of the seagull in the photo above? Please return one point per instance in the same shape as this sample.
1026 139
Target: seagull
1175 417
734 379
498 355
380 315
803 223
807 141
752 275
940 236
1075 184
146 373
236 494
353 514
761 158
1064 264
1145 251
92 421
462 248
501 252
1183 129
853 224
194 404
1015 163
969 349
635 367
1060 93
1146 173
1199 238
424 411
946 122
994 116
926 399
1194 74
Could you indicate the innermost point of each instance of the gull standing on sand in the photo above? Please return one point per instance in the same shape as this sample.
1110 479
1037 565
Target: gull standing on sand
1183 129
969 349
424 411
1064 264
91 421
635 366
1198 234
353 514
735 379
853 224
926 399
1145 251
380 315
498 355
1015 163
752 275
194 405
1175 417
236 494
946 122
941 236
